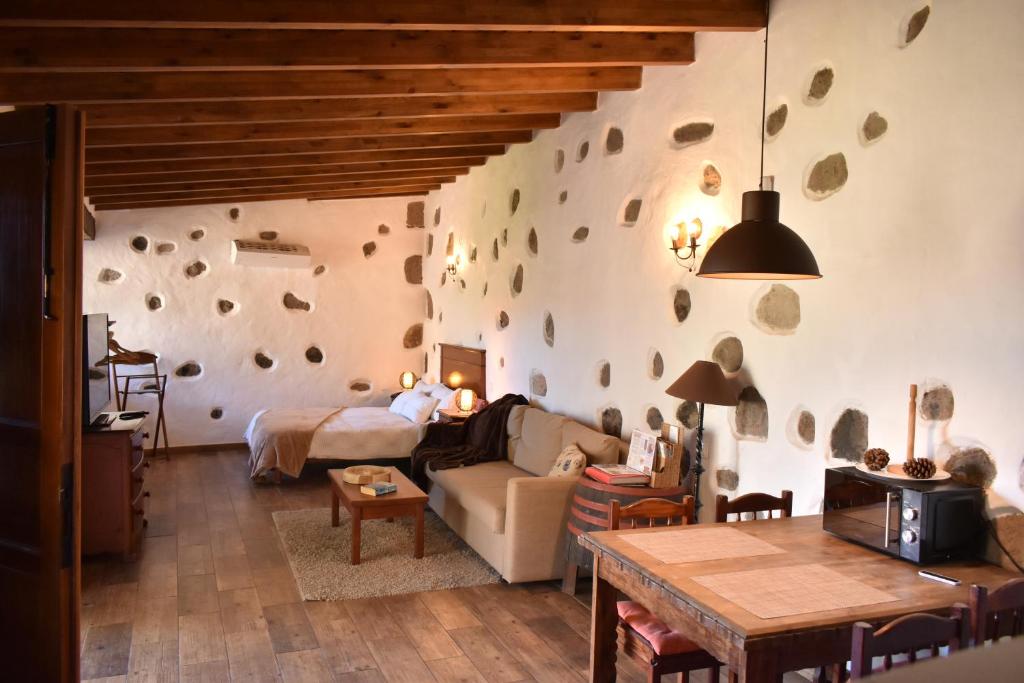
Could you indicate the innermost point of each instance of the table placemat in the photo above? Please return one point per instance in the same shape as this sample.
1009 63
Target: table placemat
689 544
786 591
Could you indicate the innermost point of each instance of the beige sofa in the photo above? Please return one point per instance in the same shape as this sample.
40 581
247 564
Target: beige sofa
511 512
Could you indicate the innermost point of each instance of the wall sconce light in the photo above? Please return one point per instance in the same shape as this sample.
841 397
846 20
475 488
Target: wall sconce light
452 265
407 379
683 242
467 399
455 379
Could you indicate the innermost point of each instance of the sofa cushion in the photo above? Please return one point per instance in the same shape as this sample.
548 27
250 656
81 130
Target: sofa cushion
541 441
601 449
514 427
479 489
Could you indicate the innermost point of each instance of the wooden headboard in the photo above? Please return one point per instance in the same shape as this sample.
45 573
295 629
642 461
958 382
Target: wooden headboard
470 366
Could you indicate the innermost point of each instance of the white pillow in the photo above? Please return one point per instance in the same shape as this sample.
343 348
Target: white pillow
422 387
446 397
402 399
418 408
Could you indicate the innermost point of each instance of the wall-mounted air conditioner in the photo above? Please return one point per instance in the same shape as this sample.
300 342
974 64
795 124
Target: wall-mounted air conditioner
269 254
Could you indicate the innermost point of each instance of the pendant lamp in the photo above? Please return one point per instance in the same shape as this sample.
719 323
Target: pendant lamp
759 247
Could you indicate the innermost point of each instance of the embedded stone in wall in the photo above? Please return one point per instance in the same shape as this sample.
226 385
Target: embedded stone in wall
776 120
581 234
294 303
383 229
189 369
531 241
449 249
654 419
657 365
504 237
915 24
693 133
751 415
517 281
360 385
874 127
195 269
414 269
727 479
711 180
805 427
369 249
582 151
444 277
562 196
503 320
426 361
494 249
430 305
262 360
414 215
611 421
778 310
268 235
154 302
314 355
513 202
681 304
216 413
972 466
821 84
430 245
728 353
234 213
462 283
614 141
197 234
688 414
501 362
109 275
139 243
937 404
472 254
413 336
437 216
440 317
631 214
559 160
225 306
827 176
319 270
604 374
549 329
163 248
538 383
485 290
849 437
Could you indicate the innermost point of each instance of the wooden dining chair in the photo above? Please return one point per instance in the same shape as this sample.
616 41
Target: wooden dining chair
907 635
997 614
753 503
644 637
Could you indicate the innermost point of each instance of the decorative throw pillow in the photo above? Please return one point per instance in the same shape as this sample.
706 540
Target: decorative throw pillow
445 397
418 408
570 462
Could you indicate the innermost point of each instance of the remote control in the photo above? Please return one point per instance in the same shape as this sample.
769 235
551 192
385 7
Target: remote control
941 578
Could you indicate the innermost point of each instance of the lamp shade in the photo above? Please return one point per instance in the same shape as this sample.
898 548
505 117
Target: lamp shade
467 399
407 379
760 247
704 382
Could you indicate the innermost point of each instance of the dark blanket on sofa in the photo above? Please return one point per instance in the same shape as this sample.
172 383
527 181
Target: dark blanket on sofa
483 437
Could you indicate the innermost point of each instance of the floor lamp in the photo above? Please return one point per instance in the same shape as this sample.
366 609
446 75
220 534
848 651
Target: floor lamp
703 383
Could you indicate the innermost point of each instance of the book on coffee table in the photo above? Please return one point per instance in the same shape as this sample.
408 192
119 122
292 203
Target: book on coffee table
378 488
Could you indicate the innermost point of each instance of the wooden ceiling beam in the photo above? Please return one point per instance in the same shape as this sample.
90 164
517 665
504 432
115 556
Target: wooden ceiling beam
229 182
279 111
273 85
267 191
313 130
215 150
285 161
506 15
455 166
232 199
242 200
49 49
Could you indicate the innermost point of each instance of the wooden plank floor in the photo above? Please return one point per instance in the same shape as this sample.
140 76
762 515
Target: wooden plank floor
212 598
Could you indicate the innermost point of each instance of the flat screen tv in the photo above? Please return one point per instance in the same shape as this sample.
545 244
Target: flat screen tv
95 371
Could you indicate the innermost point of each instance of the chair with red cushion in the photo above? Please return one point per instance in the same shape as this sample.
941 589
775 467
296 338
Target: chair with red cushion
644 637
907 635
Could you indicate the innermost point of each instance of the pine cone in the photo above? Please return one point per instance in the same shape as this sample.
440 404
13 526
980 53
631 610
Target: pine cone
876 458
919 468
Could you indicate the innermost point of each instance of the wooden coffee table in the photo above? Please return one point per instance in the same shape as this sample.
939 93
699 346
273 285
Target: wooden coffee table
407 501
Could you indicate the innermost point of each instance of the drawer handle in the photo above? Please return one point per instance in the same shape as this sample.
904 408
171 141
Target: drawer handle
145 435
145 494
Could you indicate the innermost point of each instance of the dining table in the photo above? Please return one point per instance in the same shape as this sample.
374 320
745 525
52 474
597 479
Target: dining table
764 597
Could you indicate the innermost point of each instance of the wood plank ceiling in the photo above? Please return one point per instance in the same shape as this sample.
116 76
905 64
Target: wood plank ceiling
213 101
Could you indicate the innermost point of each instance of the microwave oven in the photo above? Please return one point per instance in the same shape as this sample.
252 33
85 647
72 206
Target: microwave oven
919 521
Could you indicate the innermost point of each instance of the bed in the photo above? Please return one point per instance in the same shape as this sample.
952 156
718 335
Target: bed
282 440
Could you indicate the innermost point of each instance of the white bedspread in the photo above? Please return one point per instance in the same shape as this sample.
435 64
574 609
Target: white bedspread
365 432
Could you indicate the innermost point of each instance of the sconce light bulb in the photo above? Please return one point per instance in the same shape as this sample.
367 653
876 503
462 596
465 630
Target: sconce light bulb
694 229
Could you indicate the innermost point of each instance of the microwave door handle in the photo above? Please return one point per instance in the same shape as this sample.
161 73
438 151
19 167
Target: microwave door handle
888 504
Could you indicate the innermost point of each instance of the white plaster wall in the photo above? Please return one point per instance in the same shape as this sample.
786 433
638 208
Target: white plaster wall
921 250
361 307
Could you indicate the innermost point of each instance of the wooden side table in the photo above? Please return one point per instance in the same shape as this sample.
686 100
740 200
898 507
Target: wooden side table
589 512
449 416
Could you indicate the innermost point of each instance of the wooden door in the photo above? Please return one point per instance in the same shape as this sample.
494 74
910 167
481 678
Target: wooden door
40 402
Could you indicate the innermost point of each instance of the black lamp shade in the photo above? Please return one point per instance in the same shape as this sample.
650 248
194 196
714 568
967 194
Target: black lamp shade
760 247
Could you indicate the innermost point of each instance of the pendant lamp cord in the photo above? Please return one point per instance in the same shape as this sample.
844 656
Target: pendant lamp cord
764 91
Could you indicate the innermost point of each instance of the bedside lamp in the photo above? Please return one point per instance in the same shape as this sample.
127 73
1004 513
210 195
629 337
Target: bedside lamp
454 379
407 379
467 399
703 383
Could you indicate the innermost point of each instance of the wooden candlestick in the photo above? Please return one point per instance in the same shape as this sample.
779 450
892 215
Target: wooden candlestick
911 422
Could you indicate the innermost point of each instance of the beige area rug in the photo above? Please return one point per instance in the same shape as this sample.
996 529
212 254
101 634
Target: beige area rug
320 556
